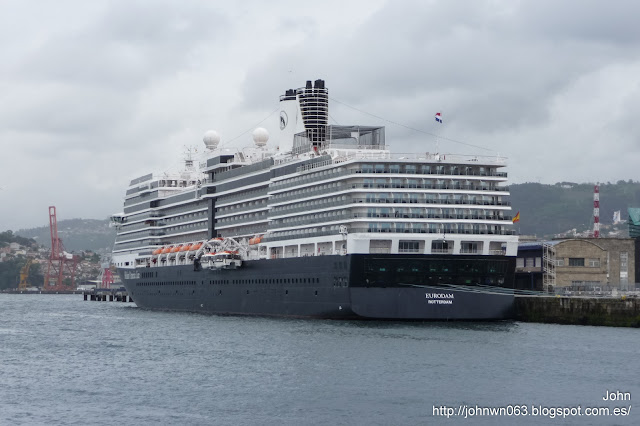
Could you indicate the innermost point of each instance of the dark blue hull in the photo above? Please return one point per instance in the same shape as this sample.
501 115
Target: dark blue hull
403 287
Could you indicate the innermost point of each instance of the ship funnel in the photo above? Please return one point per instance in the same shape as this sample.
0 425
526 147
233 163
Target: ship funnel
304 110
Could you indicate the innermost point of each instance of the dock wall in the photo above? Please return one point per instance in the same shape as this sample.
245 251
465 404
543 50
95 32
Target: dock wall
617 312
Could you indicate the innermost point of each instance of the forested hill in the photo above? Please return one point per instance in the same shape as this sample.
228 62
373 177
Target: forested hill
546 210
76 235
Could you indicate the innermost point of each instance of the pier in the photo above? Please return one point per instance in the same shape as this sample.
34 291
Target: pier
107 295
621 311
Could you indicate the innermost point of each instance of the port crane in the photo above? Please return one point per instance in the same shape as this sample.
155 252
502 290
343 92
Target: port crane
24 275
61 265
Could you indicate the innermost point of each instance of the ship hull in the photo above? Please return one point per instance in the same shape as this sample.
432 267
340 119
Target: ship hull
390 287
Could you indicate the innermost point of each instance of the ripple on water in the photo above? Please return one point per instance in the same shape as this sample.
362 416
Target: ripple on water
65 361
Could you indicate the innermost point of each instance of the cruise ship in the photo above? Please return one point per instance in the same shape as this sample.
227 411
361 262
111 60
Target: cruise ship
327 222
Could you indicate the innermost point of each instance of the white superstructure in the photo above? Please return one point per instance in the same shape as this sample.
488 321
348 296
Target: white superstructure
320 190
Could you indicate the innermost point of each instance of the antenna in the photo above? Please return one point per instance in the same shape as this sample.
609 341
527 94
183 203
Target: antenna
596 211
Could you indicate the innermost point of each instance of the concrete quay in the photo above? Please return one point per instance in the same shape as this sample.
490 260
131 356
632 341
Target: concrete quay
603 311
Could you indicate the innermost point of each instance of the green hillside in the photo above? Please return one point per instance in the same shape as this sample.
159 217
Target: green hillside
545 210
76 235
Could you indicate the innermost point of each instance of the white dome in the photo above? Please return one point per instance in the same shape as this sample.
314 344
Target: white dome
211 139
260 136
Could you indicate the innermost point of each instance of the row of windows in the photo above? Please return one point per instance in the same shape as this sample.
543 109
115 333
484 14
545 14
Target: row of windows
314 280
301 192
156 284
256 204
438 213
176 183
171 211
246 229
244 195
412 197
185 217
420 266
186 227
312 204
429 184
246 216
579 261
449 228
314 217
400 168
442 169
298 232
278 281
258 291
311 176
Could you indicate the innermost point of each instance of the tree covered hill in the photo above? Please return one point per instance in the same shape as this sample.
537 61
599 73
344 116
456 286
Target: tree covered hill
76 235
8 237
545 210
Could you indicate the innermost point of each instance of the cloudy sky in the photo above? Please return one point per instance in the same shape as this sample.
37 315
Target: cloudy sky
94 93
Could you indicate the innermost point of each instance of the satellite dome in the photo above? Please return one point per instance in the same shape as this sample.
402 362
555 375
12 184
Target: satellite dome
211 139
260 136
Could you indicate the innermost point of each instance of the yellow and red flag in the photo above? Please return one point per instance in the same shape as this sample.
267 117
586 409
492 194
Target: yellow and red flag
516 218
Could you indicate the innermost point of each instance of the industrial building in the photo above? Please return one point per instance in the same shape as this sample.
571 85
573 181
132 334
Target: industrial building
578 265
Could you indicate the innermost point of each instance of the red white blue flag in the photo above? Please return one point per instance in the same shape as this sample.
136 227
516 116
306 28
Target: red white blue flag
438 117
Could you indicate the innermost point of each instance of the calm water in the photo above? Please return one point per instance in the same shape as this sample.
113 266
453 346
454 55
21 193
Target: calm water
70 362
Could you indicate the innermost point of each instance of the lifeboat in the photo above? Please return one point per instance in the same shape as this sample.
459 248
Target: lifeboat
222 260
167 250
255 240
157 251
176 248
186 247
196 246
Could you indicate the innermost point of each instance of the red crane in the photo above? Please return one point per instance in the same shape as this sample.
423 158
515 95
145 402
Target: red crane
62 265
106 276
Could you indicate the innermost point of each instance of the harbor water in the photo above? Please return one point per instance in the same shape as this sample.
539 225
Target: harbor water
65 361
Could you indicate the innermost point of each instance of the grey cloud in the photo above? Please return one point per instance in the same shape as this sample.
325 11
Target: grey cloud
122 86
132 45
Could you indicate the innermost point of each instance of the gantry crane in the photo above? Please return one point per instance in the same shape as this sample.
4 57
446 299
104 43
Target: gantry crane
61 263
24 275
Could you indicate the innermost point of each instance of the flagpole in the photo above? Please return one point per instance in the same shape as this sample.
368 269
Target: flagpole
437 132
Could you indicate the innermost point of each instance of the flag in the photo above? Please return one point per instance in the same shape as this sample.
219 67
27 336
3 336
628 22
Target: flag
438 117
516 218
616 217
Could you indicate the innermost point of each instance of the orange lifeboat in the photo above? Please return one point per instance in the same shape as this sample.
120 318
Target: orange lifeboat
176 248
196 246
186 247
157 251
167 250
255 240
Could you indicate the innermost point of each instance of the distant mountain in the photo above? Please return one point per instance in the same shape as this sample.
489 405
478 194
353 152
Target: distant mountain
546 210
76 235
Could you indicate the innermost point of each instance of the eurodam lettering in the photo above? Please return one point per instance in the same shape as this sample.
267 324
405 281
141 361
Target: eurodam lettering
440 298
